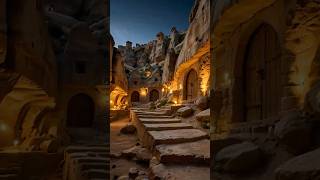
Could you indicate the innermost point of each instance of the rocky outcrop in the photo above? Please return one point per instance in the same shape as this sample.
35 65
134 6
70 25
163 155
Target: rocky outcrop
203 116
291 129
128 129
202 102
159 50
303 167
239 157
197 36
30 51
176 41
185 112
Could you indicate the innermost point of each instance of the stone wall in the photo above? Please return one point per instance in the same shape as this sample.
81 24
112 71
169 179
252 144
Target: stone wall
234 26
29 51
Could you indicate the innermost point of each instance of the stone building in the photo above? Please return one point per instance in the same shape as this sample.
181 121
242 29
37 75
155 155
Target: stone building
53 82
143 67
174 68
119 82
264 79
52 71
189 61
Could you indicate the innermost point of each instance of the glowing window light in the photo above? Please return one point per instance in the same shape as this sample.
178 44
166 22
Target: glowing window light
143 91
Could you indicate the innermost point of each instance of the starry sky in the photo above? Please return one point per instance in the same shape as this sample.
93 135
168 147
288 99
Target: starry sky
139 21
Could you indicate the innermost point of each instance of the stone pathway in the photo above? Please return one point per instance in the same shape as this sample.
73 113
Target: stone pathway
181 151
86 162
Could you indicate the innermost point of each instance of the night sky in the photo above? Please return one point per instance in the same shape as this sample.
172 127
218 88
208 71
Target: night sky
139 21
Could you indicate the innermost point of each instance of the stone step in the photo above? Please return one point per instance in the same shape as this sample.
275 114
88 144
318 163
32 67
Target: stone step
86 166
173 137
91 160
153 116
9 177
179 172
167 126
97 149
96 173
185 153
151 113
13 170
159 120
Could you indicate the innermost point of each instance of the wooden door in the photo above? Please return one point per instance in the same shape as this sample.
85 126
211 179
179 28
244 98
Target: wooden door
154 95
262 75
80 111
191 85
135 96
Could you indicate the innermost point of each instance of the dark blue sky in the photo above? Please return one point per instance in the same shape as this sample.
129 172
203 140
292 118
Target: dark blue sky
140 20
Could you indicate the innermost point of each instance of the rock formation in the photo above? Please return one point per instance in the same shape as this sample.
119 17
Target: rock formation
279 125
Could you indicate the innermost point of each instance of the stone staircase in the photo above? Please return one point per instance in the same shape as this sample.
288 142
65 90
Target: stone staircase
10 173
86 162
182 151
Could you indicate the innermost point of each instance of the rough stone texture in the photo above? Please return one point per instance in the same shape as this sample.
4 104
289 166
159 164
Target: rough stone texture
30 52
292 129
185 111
87 161
128 129
152 116
312 103
172 55
203 116
170 126
185 153
240 157
138 152
133 173
175 136
198 33
50 146
26 96
303 167
202 102
176 172
159 120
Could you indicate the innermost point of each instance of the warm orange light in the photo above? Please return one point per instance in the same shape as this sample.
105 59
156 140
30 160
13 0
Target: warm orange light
143 91
162 89
175 102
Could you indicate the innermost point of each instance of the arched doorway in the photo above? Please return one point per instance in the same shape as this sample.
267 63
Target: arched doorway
80 111
191 85
154 95
262 75
135 96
